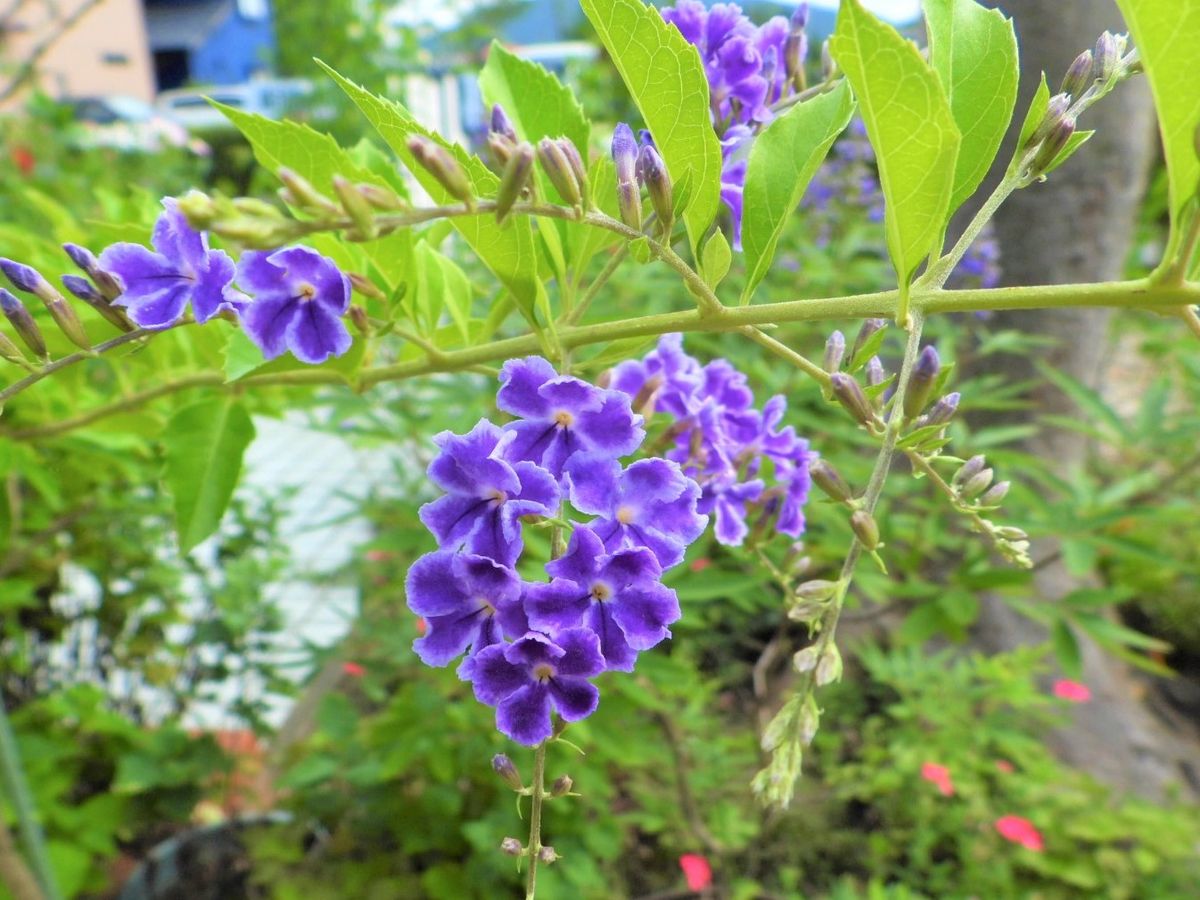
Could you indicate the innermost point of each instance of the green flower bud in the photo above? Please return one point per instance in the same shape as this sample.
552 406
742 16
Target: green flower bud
969 470
865 529
303 194
358 316
381 198
829 669
514 180
829 480
571 152
10 351
976 485
558 169
816 590
1079 75
199 208
365 286
805 660
562 786
995 495
441 164
356 208
850 394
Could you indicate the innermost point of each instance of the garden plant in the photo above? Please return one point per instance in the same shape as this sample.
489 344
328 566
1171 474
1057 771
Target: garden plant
605 443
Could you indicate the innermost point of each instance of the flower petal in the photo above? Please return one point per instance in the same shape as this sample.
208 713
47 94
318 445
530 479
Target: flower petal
556 606
433 587
574 698
316 333
644 613
453 518
525 715
267 320
211 292
580 653
520 381
492 676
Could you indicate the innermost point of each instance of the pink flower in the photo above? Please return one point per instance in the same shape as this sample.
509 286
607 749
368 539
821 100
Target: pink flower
421 626
1004 766
1020 831
1072 690
700 564
353 669
940 776
696 870
378 555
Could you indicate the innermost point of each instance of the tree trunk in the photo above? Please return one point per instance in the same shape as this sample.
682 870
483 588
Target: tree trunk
1077 227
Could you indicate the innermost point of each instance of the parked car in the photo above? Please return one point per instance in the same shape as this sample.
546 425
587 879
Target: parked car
270 97
128 124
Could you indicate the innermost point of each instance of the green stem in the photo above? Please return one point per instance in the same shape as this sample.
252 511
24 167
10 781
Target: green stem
51 368
538 794
1140 294
782 350
17 789
945 266
593 289
1188 314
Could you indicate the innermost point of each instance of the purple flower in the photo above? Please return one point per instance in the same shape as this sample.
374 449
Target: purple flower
466 601
793 473
618 596
562 415
531 677
651 504
156 286
727 499
680 376
486 494
300 297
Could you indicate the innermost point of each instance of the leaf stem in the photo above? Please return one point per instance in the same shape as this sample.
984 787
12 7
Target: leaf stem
537 794
782 350
941 270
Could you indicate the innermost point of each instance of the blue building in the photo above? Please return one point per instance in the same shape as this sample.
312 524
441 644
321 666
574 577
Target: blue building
209 42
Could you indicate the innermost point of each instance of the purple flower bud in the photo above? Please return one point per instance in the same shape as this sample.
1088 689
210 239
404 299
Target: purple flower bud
996 494
850 394
504 767
515 179
1056 111
835 350
868 328
976 485
629 196
547 855
1079 75
441 164
875 371
924 374
20 319
865 529
942 411
558 169
26 278
562 786
510 846
969 469
87 292
501 124
87 262
358 316
1106 57
571 152
829 480
653 174
501 149
365 286
799 19
1053 145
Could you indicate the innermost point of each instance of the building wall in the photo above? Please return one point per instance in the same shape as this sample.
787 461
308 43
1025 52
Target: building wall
104 53
235 50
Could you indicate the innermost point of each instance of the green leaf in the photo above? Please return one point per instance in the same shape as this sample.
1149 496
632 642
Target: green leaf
911 128
1074 142
1167 36
974 52
1034 115
510 252
664 75
715 259
783 160
440 284
204 445
1066 648
1089 401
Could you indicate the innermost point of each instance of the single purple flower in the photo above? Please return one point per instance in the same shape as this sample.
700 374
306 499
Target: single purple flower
618 596
726 498
651 504
534 676
486 494
562 415
300 297
681 376
466 601
156 286
792 472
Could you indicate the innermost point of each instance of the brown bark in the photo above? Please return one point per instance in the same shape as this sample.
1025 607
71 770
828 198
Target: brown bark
1078 227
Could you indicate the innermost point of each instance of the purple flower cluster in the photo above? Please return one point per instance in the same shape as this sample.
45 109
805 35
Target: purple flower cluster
749 67
723 441
532 647
298 296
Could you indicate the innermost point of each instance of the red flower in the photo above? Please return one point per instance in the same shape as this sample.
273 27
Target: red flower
696 870
1004 766
940 776
700 564
1020 831
353 669
23 159
1072 690
421 626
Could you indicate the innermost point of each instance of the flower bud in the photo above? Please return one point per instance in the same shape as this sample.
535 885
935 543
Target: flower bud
996 494
810 719
1011 533
515 179
835 350
558 169
829 68
815 591
865 332
365 286
441 164
504 767
89 294
11 352
356 208
805 660
27 278
501 148
1079 75
795 48
562 786
1106 57
547 855
20 319
969 470
1056 111
875 372
647 396
303 194
653 174
829 480
942 411
571 152
850 394
510 846
501 124
604 379
976 485
381 198
1053 145
865 529
358 316
629 196
829 669
199 208
87 262
920 384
